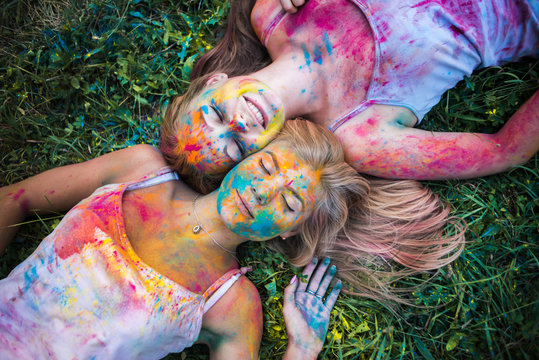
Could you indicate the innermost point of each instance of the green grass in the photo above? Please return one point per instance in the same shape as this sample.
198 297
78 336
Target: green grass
81 78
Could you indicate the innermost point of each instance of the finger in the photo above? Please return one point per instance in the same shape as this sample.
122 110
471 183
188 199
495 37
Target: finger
308 270
290 290
316 278
288 6
326 281
332 297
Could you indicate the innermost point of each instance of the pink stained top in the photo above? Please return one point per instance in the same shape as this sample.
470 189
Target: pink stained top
84 293
424 47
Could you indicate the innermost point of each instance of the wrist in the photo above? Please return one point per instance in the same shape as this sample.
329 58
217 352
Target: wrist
296 350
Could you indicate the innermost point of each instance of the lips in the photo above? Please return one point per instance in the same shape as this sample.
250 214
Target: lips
257 112
242 205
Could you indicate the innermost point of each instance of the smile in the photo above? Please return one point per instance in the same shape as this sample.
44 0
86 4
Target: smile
244 209
256 112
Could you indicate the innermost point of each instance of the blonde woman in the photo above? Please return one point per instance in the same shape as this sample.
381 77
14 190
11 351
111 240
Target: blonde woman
135 269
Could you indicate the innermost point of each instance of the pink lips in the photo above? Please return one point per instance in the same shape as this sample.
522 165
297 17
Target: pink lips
244 209
257 112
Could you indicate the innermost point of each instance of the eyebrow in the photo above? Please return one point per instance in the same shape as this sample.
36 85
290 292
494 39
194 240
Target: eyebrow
294 192
272 154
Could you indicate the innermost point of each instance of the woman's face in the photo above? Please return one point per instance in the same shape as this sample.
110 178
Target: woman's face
268 194
230 120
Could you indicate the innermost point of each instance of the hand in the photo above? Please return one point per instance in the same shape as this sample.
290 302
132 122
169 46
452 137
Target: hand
306 315
291 6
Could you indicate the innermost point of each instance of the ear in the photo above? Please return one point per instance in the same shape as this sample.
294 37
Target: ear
215 78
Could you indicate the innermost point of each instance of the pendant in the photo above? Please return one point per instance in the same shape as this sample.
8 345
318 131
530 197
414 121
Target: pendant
196 229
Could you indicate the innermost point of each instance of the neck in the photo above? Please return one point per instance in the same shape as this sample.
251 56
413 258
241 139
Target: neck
210 220
299 88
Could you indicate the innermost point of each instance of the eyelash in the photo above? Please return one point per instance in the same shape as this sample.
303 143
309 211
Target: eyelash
286 204
263 167
238 144
219 115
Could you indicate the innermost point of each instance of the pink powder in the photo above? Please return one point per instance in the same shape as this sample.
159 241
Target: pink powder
18 194
192 147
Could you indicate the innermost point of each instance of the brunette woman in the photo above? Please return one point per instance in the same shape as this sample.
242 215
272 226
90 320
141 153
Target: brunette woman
367 70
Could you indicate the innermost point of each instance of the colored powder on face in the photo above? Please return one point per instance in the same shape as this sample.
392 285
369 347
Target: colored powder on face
192 147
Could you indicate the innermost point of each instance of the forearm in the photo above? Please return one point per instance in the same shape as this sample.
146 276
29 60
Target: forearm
12 215
518 139
14 210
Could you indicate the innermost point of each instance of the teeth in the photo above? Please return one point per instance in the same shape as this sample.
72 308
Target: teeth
257 113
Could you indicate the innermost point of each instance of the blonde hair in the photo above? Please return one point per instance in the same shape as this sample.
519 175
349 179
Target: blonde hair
374 230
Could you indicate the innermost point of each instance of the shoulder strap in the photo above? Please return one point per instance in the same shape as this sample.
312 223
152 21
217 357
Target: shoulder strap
221 286
158 177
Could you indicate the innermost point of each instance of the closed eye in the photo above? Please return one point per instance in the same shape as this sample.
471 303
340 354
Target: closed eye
286 204
218 112
261 162
240 146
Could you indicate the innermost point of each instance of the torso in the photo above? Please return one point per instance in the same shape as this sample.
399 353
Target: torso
321 44
329 47
381 60
163 238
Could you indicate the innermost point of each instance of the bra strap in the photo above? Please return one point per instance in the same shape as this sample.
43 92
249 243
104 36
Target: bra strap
221 286
160 176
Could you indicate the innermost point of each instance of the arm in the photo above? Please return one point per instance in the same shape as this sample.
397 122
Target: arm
382 147
305 313
232 328
59 189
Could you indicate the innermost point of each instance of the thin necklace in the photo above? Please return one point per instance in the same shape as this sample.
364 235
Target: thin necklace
199 226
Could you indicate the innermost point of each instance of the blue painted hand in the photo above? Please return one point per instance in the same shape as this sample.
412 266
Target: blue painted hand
306 314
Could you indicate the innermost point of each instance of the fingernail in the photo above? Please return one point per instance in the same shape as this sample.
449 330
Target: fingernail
326 261
315 260
332 269
293 279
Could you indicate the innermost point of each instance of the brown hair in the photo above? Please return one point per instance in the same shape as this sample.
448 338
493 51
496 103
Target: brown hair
238 53
374 230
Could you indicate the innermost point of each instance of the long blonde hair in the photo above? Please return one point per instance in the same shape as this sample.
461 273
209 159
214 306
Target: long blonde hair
374 230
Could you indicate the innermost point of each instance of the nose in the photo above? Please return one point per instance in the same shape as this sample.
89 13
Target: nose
264 192
259 195
240 123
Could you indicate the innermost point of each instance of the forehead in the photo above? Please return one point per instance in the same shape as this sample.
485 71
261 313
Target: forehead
299 174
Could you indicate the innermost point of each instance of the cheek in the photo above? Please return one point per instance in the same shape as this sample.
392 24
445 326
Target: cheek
272 222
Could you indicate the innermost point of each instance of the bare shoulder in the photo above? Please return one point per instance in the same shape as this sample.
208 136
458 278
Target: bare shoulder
234 324
136 161
374 121
368 136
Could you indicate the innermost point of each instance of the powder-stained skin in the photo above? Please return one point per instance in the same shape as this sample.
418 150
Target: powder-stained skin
267 194
229 122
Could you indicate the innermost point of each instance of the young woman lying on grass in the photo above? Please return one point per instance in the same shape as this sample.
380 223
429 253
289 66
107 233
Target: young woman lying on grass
367 70
135 270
